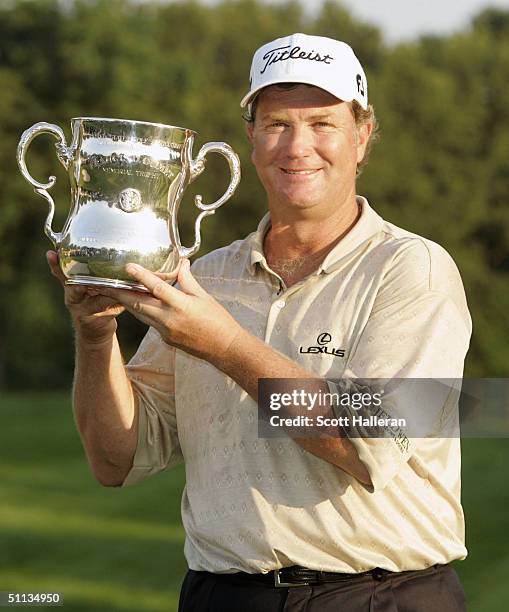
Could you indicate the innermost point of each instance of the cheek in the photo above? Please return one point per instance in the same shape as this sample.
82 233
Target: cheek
256 158
362 142
340 154
361 151
262 154
353 151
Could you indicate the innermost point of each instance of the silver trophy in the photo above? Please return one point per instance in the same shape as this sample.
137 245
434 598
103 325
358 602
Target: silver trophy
127 181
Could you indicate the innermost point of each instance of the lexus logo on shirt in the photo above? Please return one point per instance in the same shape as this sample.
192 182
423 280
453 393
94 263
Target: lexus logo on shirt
321 347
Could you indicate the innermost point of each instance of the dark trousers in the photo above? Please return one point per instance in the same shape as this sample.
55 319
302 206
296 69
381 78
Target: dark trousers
436 589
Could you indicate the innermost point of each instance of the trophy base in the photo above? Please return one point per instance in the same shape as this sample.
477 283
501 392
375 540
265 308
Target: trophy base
105 282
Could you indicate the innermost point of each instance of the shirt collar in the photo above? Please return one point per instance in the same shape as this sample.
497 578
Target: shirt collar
368 224
256 243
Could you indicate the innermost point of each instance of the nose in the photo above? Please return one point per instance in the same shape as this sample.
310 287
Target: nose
298 142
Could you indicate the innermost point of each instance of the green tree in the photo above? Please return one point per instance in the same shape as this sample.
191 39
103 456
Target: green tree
440 170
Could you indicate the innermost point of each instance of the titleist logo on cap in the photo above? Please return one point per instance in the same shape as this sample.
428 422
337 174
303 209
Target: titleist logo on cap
326 63
280 54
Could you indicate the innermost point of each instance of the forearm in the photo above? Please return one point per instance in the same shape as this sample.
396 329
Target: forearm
190 320
105 409
248 359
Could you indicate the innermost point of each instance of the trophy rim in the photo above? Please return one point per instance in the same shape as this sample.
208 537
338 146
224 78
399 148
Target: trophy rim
131 121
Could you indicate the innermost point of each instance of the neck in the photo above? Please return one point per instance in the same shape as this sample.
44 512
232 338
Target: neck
295 248
307 234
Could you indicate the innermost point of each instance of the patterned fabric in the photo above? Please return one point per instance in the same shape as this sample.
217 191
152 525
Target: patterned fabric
394 303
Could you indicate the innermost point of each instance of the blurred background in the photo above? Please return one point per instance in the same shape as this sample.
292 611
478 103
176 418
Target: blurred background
438 75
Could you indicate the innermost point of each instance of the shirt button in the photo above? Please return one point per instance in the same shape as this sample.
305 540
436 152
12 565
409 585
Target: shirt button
280 304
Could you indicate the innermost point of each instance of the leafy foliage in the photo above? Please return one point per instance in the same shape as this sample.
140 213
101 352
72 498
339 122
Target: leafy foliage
441 170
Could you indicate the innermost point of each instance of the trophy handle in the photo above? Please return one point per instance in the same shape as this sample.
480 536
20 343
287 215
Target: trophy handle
63 154
197 166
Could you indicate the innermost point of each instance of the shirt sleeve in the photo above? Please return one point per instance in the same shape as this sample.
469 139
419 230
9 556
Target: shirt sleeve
413 344
151 372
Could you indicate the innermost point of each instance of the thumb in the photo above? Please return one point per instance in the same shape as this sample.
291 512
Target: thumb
188 284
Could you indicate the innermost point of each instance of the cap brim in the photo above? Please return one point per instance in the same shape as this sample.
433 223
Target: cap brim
250 96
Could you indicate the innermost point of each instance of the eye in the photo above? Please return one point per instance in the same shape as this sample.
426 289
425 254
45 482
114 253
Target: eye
275 127
324 124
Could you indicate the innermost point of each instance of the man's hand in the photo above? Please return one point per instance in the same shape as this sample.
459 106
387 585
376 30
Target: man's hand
93 315
192 320
187 318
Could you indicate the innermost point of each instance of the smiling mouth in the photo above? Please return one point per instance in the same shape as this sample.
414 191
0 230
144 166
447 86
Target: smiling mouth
300 172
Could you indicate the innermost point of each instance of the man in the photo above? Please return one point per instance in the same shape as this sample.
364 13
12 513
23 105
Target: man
302 523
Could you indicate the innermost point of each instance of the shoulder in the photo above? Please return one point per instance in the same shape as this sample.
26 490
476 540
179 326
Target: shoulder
419 261
414 266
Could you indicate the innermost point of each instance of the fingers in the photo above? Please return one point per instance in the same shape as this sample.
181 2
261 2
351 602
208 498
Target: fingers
167 278
161 290
157 287
142 305
170 277
132 300
52 258
103 306
112 310
187 282
76 295
73 295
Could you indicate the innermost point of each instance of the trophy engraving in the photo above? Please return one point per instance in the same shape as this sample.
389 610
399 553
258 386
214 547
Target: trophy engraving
129 200
127 181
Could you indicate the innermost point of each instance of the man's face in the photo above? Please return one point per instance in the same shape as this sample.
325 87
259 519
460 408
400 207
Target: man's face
306 147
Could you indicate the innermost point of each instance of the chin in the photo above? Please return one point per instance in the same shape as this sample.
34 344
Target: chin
300 201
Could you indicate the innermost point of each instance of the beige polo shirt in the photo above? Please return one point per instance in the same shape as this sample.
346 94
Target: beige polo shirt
395 305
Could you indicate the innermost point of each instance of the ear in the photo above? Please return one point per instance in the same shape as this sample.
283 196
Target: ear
249 131
363 134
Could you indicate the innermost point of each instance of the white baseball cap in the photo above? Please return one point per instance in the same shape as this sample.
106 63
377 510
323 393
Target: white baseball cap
315 60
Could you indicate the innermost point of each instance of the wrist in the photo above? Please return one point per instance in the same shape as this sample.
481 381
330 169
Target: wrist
94 339
224 355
